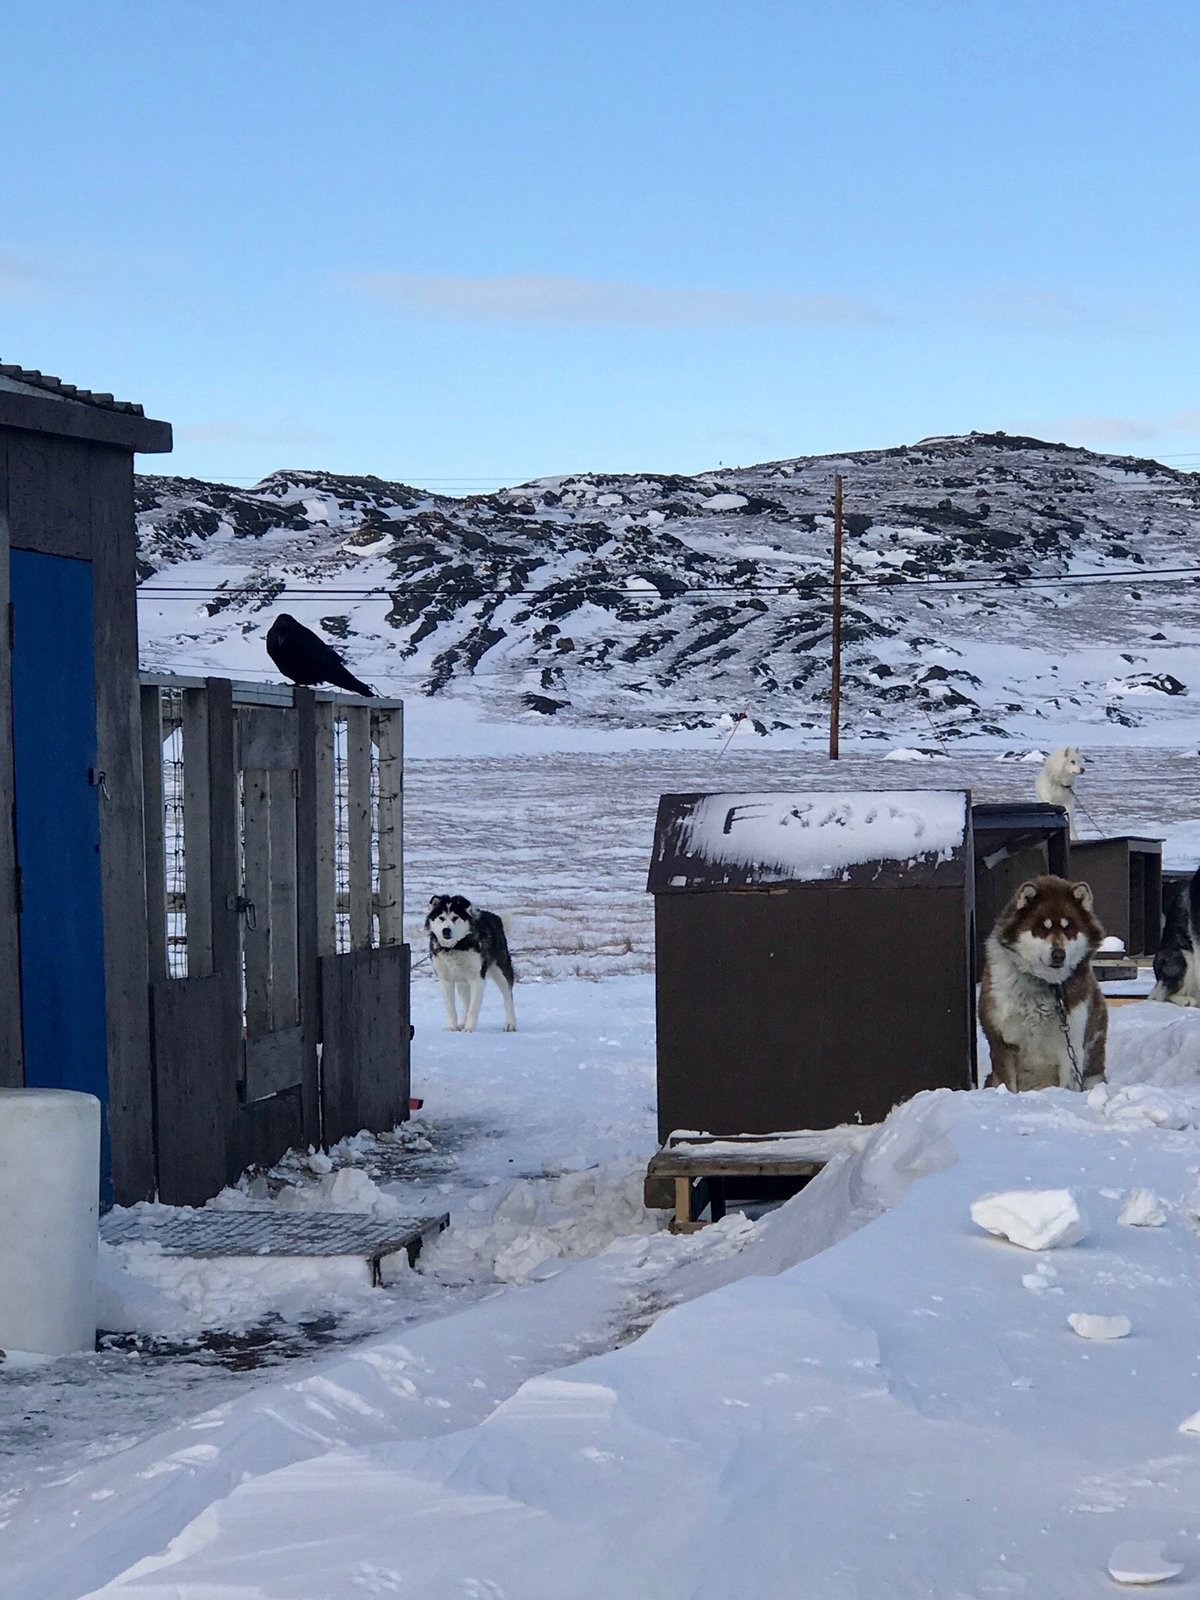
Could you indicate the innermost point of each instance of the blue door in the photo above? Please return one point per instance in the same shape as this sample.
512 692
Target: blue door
58 828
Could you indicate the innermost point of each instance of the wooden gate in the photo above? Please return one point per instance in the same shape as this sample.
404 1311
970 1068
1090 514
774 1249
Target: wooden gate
279 993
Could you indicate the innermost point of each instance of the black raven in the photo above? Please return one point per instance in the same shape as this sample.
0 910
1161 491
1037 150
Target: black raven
304 657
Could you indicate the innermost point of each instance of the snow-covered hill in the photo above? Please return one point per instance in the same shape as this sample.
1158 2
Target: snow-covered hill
665 602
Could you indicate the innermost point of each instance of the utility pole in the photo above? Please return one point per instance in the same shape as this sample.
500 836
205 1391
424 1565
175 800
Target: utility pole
835 688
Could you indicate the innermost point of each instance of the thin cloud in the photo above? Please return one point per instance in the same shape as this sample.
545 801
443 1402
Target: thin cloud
226 431
19 278
1028 308
1105 430
1054 311
585 302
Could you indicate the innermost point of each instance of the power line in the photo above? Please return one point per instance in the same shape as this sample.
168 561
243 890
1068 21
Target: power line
796 586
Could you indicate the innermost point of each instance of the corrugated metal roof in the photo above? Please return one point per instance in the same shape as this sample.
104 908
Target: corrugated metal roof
68 391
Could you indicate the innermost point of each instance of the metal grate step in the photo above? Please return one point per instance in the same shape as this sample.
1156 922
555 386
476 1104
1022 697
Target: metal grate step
206 1233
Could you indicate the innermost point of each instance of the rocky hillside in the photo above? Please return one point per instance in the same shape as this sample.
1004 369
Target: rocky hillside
664 601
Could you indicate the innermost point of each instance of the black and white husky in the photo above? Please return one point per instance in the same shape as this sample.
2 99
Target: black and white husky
1177 964
467 946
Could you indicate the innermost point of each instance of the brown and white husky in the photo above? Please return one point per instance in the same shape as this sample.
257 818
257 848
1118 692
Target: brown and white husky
1039 990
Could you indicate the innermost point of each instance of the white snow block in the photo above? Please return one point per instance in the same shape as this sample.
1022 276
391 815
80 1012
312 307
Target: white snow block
1190 1424
1089 1325
1133 1562
1036 1219
1143 1209
49 1200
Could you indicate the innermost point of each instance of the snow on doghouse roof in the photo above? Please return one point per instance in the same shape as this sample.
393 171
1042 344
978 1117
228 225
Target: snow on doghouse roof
706 841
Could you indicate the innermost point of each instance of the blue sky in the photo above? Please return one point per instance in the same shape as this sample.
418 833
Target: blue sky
472 242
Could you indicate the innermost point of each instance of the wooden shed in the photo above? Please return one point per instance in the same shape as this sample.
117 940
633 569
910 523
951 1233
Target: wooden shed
1125 873
814 956
201 882
1014 840
73 1008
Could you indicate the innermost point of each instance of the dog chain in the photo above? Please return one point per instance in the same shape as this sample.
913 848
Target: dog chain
1060 1005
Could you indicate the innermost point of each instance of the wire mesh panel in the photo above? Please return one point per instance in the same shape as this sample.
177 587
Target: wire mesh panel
363 809
174 843
341 835
177 830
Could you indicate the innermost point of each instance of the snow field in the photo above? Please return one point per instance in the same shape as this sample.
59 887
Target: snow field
563 840
893 1415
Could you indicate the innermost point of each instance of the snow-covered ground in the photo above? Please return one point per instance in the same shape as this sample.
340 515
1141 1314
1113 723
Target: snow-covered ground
861 1393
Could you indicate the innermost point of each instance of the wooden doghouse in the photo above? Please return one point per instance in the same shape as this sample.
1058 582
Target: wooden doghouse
1174 882
1126 878
1013 841
73 1009
813 956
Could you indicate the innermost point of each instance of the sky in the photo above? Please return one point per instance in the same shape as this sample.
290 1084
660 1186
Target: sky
470 243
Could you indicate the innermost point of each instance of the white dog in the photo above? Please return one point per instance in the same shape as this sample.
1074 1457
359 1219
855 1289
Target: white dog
1056 781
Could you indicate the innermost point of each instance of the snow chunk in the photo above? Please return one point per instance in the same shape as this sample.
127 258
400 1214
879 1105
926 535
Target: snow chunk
1036 1219
1190 1424
1133 1562
1141 1104
1090 1325
807 837
1143 1209
724 502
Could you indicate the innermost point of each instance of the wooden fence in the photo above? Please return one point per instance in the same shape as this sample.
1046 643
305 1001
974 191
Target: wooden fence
275 894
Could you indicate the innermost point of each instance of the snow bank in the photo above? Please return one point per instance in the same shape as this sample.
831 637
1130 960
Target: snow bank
905 754
896 1415
1155 1043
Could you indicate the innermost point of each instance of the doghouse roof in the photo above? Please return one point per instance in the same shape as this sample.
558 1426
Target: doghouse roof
886 838
43 404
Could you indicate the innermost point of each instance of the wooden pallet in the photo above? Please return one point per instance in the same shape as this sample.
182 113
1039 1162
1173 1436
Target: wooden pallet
692 1171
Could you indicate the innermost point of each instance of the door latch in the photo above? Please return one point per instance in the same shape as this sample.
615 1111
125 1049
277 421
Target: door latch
243 907
99 780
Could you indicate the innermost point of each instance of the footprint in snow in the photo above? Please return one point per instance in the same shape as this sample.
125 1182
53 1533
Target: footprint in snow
838 816
376 1580
914 819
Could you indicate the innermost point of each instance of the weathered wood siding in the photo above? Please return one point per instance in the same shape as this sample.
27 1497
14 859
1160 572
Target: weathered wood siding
365 1058
122 855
